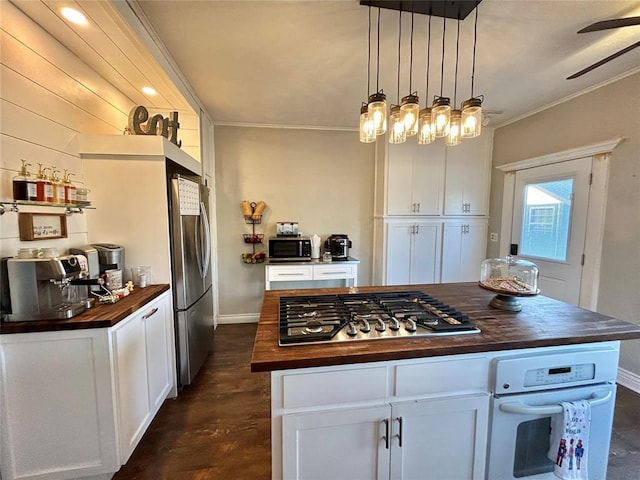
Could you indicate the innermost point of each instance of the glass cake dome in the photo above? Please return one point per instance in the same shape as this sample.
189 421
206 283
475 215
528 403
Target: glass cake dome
510 278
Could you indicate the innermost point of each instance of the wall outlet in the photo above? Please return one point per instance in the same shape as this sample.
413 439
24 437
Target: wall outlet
493 237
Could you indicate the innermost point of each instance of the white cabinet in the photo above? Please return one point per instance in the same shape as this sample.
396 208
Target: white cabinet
445 437
415 179
313 270
340 444
468 176
76 402
463 249
143 369
419 183
386 420
413 252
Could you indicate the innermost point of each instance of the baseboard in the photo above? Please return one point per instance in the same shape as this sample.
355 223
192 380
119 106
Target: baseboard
238 318
629 379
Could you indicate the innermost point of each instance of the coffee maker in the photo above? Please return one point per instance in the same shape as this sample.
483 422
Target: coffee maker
39 288
338 244
110 256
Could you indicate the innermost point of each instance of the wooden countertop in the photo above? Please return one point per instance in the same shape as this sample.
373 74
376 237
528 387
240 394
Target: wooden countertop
543 322
99 316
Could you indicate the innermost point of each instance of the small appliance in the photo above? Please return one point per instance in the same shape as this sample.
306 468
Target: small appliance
40 289
338 244
287 229
289 249
93 263
110 256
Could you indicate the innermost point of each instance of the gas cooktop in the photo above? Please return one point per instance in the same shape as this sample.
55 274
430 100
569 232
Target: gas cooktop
367 316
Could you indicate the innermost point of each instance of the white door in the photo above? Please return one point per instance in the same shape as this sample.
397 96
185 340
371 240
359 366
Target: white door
347 444
443 439
549 224
399 241
425 258
463 250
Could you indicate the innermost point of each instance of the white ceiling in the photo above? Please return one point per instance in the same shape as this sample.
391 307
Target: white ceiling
304 62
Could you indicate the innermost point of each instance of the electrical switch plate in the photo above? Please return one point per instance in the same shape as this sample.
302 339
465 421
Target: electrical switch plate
493 237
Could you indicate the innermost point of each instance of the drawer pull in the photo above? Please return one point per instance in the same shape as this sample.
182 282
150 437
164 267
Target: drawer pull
337 272
150 313
291 274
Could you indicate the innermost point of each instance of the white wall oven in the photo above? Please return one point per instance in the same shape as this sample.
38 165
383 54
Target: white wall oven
528 390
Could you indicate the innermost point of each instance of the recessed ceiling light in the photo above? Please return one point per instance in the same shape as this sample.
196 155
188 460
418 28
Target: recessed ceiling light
149 90
74 16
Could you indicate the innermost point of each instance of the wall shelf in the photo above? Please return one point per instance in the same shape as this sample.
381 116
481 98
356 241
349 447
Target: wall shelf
13 206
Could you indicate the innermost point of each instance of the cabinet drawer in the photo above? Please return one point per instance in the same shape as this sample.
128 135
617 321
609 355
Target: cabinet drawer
333 272
325 388
292 273
442 376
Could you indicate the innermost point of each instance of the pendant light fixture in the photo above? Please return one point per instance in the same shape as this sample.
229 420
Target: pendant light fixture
472 108
367 128
377 107
453 138
441 109
425 130
410 106
397 132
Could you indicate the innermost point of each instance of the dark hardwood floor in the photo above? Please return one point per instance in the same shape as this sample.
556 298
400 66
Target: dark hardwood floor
219 426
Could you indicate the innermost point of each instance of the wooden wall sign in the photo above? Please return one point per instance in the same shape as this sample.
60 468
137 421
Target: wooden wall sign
156 125
42 226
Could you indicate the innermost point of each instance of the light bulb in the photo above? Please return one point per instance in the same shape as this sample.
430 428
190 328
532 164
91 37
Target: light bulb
453 138
397 131
425 128
377 110
441 112
410 109
471 118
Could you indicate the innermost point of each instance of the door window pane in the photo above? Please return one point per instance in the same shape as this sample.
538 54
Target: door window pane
546 219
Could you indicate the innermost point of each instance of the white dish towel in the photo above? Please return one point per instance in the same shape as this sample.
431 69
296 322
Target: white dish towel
569 440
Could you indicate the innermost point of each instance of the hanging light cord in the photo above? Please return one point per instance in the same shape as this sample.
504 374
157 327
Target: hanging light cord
455 82
378 55
411 57
444 29
475 33
369 56
399 37
426 93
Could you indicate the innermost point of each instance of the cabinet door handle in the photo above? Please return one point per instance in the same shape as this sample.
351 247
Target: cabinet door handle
386 433
150 313
418 204
399 419
417 229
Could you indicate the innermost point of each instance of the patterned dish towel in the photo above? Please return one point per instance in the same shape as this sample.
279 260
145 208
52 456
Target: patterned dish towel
569 440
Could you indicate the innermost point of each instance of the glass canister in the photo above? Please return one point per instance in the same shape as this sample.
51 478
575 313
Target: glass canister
509 275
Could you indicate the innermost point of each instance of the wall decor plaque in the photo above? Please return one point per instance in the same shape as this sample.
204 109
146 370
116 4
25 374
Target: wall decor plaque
156 125
42 226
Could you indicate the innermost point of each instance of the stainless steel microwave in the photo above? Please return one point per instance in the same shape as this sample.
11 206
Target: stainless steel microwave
289 249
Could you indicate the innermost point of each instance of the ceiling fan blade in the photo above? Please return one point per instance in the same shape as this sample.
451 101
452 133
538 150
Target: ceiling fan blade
603 61
607 24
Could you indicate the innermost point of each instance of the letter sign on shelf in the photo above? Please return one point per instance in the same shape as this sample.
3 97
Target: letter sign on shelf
156 125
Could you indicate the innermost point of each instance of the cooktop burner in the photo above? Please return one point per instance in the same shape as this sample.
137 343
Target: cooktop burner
367 316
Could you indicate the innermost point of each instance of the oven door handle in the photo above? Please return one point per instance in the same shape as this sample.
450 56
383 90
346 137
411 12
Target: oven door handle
549 409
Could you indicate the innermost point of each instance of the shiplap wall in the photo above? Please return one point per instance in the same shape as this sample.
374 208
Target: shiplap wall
47 96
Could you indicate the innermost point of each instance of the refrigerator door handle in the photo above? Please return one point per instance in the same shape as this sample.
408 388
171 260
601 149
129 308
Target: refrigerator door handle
207 239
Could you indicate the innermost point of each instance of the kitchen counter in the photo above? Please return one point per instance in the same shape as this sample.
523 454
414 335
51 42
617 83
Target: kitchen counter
542 322
100 316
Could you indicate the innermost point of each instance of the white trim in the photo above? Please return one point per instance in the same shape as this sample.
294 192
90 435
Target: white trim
567 98
238 318
565 155
601 153
283 127
629 379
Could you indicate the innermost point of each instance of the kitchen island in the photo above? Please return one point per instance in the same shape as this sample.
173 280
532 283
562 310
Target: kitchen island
366 409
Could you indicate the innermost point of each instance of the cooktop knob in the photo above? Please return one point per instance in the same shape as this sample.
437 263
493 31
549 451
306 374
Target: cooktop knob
366 328
410 325
380 326
394 324
352 330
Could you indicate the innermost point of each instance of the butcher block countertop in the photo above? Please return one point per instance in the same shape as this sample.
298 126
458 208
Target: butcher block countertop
99 316
543 322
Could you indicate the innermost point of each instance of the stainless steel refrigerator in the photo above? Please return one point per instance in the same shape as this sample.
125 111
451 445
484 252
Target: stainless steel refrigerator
191 272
